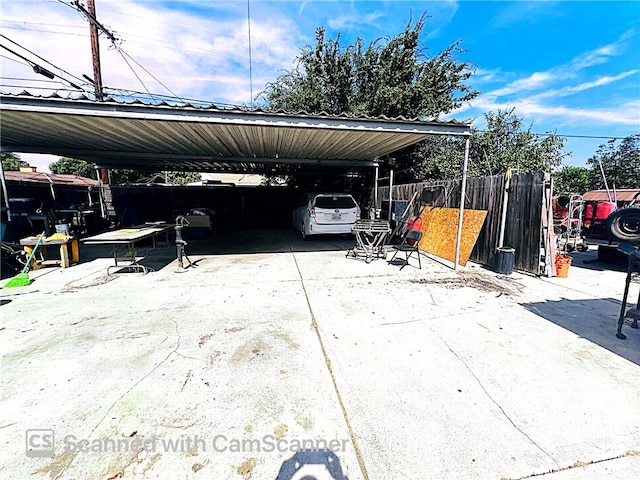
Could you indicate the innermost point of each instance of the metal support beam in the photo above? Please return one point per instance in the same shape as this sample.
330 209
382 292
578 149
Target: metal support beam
463 194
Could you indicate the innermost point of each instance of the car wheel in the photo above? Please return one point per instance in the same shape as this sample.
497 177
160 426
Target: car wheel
303 233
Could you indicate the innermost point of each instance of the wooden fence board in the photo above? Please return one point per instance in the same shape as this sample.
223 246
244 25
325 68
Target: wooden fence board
523 220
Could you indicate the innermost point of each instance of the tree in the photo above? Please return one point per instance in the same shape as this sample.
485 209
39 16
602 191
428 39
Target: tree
72 166
620 163
501 145
568 180
392 77
11 161
182 178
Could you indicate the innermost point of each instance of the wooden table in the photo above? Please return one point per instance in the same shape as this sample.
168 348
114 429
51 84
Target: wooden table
66 257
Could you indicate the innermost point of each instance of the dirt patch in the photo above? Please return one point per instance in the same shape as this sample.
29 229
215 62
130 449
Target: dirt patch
483 283
80 284
204 339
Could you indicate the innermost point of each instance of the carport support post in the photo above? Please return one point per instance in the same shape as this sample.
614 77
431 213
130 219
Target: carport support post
5 194
375 192
102 209
463 193
390 194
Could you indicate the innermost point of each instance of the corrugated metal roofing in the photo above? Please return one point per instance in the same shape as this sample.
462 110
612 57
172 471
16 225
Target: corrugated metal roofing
195 138
621 195
55 178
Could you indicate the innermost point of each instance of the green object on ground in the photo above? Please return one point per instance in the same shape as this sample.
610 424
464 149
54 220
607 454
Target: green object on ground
22 279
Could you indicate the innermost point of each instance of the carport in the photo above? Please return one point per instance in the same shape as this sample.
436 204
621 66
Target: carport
157 137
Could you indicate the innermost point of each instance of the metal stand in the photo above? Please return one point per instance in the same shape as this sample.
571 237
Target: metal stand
181 222
370 236
633 254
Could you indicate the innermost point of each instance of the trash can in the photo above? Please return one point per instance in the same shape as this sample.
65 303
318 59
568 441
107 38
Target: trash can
505 257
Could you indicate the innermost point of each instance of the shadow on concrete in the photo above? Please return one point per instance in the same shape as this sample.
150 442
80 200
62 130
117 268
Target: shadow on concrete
589 260
595 320
314 464
240 242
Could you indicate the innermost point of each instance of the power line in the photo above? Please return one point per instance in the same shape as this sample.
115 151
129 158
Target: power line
41 23
45 31
611 137
122 52
250 66
45 60
38 69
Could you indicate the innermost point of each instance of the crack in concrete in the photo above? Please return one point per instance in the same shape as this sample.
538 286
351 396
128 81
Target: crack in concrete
493 400
327 360
72 458
579 464
158 365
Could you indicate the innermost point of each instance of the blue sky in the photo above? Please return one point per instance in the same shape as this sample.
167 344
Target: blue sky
572 67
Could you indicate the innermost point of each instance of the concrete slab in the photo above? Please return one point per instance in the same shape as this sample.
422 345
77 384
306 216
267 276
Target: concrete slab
225 370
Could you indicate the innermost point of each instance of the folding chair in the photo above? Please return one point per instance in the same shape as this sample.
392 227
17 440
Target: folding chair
409 246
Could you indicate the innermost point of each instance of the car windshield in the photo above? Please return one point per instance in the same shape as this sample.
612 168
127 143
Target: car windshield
335 202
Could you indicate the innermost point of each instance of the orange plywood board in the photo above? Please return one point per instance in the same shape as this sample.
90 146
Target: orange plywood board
440 229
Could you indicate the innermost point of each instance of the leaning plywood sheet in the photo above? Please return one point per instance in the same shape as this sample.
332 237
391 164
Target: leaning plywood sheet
440 229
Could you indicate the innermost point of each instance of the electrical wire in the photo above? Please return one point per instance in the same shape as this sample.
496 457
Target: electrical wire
568 136
250 66
45 31
41 23
122 52
44 60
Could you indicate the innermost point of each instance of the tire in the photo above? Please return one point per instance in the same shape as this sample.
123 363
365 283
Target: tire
583 248
305 237
624 225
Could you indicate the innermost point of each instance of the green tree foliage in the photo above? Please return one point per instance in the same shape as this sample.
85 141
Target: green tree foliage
119 176
72 166
182 178
620 163
572 180
11 161
392 77
503 144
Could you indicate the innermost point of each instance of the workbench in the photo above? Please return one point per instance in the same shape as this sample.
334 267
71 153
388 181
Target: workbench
66 257
127 237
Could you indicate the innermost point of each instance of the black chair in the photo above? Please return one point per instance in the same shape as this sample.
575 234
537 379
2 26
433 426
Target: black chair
409 246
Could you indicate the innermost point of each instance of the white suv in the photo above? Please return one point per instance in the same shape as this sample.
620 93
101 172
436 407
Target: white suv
325 213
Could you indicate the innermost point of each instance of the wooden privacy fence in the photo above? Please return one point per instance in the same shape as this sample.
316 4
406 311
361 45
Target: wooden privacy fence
524 222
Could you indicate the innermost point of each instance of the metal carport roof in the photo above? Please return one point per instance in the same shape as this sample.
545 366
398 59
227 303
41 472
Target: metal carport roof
206 139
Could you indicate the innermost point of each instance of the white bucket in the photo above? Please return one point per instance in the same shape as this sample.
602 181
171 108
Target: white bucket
62 228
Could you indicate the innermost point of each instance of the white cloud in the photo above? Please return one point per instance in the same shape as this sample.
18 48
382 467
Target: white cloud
187 52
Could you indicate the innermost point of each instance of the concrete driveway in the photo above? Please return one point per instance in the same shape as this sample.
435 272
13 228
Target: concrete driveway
273 346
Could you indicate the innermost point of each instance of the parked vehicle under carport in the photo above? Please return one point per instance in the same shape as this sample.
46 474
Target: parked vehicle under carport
325 214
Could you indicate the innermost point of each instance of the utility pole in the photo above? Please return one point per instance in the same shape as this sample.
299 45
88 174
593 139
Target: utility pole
95 50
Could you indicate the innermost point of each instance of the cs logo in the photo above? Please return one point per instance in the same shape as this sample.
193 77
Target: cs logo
40 443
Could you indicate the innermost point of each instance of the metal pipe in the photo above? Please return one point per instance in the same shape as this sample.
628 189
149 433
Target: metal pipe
375 192
390 195
103 213
604 179
549 261
505 202
4 191
463 193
